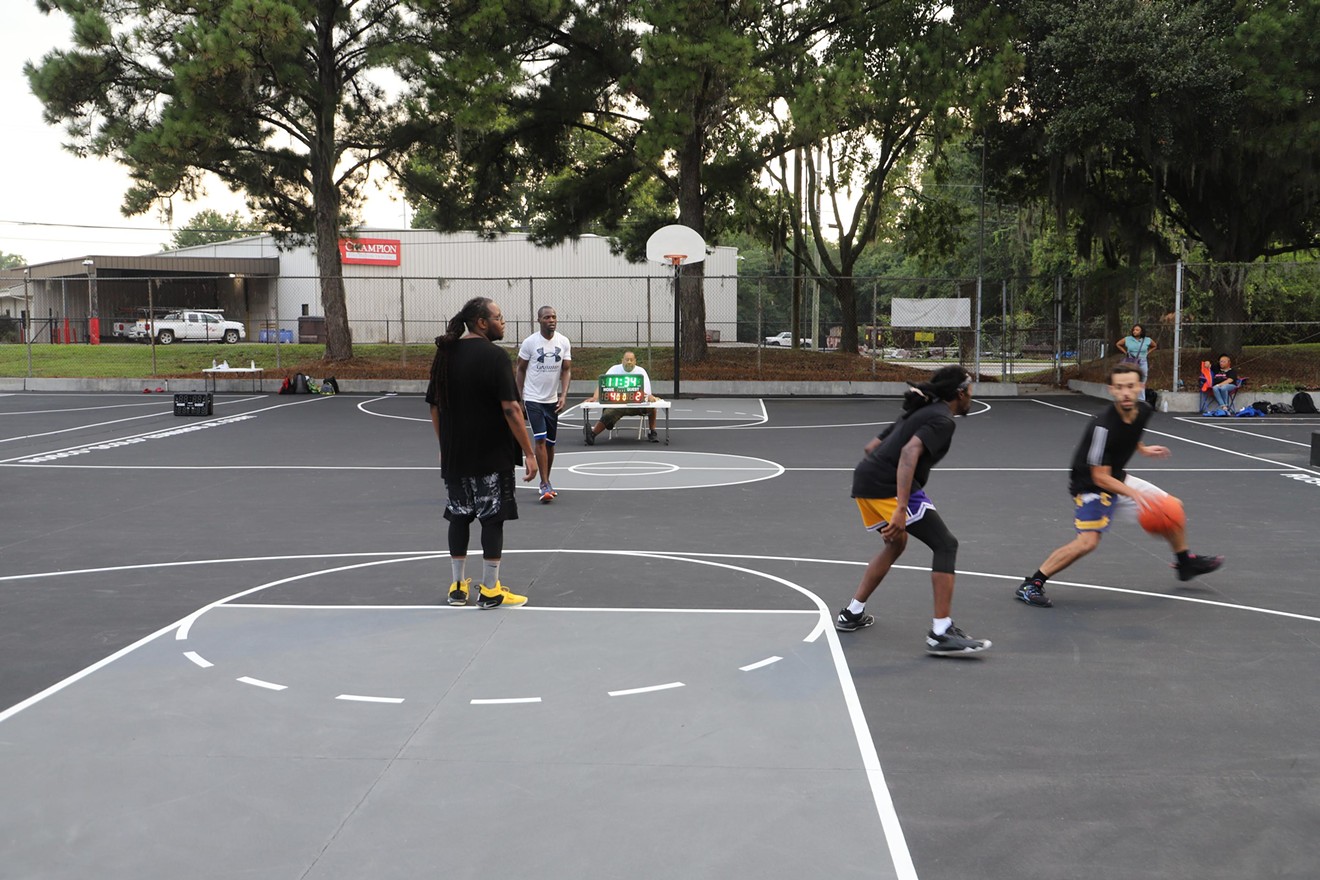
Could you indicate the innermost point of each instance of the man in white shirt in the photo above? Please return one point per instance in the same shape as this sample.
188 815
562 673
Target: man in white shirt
610 417
545 363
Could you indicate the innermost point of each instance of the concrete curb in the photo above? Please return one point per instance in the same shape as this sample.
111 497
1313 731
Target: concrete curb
577 390
1190 401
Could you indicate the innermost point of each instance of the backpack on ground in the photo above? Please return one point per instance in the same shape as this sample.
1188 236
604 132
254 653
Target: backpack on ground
330 386
286 387
1153 398
300 385
1281 409
1263 405
1303 403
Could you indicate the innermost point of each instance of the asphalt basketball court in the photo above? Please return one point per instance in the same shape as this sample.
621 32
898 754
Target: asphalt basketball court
226 653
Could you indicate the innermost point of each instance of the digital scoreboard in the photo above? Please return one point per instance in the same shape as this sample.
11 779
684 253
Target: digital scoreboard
622 388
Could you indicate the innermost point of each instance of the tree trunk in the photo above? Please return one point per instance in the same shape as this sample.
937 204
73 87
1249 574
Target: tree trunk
324 157
338 338
692 213
845 291
1228 284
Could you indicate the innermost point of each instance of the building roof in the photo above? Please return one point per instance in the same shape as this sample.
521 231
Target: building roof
154 264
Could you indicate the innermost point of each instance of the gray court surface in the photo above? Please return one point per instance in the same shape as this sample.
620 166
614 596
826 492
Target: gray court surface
226 654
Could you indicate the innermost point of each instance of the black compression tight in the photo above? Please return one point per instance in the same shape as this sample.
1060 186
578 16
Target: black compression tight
931 531
492 538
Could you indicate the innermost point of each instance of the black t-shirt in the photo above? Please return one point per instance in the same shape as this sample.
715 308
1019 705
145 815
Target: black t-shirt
1220 375
474 437
1108 441
876 476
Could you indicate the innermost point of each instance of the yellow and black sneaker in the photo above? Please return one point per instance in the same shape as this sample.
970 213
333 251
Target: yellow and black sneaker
458 591
498 597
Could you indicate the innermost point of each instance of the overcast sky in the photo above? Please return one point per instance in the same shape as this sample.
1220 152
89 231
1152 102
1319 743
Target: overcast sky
55 205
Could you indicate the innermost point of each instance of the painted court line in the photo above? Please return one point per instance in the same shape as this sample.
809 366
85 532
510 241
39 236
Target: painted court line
894 836
150 435
83 427
198 659
268 685
760 663
1217 426
1281 464
648 689
358 698
504 701
895 840
544 609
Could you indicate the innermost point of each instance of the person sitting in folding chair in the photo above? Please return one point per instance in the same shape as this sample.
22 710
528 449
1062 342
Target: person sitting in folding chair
1221 384
610 417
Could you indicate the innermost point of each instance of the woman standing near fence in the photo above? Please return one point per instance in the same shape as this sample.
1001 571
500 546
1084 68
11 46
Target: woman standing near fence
1136 347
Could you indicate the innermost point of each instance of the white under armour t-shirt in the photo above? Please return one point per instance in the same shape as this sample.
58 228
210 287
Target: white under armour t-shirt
545 363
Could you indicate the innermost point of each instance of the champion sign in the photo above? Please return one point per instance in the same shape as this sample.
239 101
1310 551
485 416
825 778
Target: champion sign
370 251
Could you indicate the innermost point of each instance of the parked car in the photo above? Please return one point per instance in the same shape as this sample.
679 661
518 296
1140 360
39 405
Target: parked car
786 340
188 325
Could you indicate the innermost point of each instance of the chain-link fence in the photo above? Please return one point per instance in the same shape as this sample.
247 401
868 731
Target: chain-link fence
1038 329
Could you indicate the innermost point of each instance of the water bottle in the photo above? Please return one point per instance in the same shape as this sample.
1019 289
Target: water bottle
1164 404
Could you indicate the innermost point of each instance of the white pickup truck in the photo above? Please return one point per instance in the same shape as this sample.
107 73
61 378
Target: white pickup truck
189 325
786 340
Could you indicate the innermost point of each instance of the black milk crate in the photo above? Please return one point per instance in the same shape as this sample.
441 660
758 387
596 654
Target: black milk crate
192 404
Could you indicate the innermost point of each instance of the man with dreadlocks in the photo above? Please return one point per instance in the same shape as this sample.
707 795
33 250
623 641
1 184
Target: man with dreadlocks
889 486
479 422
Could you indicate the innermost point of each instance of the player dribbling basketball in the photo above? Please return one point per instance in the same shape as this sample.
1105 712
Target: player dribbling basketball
1104 492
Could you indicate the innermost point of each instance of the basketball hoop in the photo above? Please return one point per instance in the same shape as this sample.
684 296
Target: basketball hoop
675 245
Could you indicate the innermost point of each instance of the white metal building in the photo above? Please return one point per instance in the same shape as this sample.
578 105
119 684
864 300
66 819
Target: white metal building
410 284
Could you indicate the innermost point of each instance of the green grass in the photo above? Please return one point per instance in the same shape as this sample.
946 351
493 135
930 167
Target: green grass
129 360
1281 367
133 360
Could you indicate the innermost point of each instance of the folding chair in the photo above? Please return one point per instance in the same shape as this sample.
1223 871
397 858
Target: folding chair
642 417
1209 403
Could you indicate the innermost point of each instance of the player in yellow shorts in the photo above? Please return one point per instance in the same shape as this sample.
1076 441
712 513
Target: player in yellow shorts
889 487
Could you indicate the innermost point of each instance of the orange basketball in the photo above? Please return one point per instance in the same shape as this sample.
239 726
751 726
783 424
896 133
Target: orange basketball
1162 516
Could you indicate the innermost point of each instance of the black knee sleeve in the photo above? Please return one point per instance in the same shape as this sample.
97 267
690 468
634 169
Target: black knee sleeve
492 539
931 531
459 532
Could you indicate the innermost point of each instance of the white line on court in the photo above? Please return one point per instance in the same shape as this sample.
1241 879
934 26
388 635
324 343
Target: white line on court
818 631
359 698
149 434
95 424
198 659
759 664
117 444
256 682
522 609
416 556
387 415
894 837
1062 470
185 625
45 412
895 840
86 427
648 689
81 674
884 803
1284 465
1218 426
220 467
504 701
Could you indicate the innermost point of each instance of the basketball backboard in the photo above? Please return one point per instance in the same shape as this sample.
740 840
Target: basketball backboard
675 245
